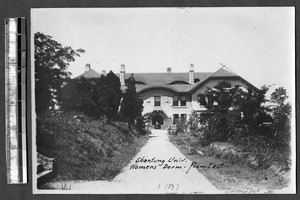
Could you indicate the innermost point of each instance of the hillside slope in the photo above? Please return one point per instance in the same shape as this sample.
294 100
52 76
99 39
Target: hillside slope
86 149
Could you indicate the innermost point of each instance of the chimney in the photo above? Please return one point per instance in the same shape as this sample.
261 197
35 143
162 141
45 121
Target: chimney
169 70
87 67
103 72
191 74
122 74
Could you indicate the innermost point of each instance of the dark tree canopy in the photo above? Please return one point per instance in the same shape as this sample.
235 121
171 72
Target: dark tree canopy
51 61
232 108
77 95
281 112
96 97
108 95
131 105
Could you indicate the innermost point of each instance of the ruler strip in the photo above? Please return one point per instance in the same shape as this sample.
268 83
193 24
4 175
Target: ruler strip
15 100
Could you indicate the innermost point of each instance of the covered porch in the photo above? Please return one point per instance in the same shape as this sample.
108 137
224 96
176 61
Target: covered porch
158 119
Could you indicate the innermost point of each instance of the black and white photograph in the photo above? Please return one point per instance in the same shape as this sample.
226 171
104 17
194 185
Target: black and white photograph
157 100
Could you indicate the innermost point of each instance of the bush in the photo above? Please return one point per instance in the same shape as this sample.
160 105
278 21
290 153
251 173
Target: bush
205 138
181 126
83 148
194 122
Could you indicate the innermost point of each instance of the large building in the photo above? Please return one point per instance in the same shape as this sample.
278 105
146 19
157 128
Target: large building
172 96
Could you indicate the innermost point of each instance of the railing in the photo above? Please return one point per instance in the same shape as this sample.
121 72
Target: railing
46 169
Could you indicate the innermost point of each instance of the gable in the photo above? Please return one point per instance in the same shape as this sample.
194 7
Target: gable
213 81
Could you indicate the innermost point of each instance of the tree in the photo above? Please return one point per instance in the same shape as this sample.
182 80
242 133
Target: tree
131 105
77 95
96 97
232 111
51 61
108 95
281 112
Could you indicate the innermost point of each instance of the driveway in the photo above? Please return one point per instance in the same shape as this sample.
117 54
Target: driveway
159 167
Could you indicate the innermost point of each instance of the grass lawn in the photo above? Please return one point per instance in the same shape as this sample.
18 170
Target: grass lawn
231 177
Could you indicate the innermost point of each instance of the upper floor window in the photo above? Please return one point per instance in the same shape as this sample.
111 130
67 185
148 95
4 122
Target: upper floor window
157 100
175 100
183 100
202 99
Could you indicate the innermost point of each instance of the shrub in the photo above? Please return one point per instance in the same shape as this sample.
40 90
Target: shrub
181 126
83 148
205 138
194 122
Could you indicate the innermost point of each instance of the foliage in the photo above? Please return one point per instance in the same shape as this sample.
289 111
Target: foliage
51 62
96 97
131 104
281 113
181 125
108 95
232 110
78 96
140 124
86 150
238 116
194 122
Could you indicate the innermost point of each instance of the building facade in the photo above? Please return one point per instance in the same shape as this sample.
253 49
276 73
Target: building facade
168 97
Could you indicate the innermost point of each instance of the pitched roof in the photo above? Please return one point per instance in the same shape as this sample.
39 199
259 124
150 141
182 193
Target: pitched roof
89 74
224 72
149 80
177 82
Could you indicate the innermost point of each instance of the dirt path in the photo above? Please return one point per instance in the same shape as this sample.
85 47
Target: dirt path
158 168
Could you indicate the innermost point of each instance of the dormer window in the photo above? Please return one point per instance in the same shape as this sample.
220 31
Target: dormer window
175 100
183 101
157 100
178 82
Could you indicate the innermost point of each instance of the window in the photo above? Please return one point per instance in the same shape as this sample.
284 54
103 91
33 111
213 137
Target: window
202 99
183 117
183 100
175 100
157 101
175 118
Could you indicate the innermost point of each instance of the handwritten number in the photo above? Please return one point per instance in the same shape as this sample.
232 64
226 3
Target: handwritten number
170 187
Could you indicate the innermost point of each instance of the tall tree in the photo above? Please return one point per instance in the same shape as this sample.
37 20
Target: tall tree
281 112
131 105
51 61
108 95
232 108
77 95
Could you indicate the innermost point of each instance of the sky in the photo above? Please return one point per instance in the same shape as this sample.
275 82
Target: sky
257 43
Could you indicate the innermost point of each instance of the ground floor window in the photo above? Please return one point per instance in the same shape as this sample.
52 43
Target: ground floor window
175 118
183 117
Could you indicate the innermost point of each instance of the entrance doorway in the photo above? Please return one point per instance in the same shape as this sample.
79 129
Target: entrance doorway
157 121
